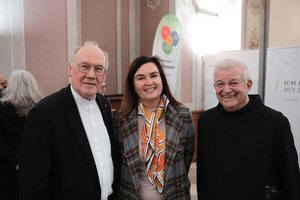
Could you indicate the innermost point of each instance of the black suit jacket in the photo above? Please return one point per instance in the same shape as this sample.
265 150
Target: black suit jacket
56 158
11 128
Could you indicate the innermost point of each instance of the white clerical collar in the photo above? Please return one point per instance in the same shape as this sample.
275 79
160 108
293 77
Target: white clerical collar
79 99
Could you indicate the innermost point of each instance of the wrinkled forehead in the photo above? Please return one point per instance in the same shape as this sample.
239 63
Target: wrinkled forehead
90 54
228 73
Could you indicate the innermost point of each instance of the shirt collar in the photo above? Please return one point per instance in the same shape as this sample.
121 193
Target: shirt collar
79 99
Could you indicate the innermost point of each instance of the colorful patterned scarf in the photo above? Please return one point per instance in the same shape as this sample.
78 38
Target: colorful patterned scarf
154 144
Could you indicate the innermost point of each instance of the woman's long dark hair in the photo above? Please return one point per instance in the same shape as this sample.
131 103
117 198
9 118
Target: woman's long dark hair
130 98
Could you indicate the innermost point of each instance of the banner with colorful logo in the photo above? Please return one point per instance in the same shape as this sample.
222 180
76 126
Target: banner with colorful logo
167 46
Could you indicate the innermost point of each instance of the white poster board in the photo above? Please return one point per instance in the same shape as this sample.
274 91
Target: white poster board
249 57
282 90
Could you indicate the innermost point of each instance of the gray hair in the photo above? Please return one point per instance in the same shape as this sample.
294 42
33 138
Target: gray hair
90 43
231 63
22 92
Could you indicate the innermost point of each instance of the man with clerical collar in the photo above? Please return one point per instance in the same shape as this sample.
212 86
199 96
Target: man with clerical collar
67 150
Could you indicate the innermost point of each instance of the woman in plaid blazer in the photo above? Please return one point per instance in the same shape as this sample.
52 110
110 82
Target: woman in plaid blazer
155 134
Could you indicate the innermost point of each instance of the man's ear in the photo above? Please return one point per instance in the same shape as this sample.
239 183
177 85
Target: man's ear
249 84
69 70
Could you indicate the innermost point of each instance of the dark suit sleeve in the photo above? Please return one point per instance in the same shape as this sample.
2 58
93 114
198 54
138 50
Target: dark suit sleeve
35 158
7 154
190 136
286 160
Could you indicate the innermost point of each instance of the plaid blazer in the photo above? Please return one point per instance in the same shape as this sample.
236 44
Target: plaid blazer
179 152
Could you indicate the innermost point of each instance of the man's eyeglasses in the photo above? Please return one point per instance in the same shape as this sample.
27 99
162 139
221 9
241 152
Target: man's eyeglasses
85 68
231 84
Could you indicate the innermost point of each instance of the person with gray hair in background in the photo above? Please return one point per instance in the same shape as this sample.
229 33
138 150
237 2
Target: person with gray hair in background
3 83
245 149
21 94
67 150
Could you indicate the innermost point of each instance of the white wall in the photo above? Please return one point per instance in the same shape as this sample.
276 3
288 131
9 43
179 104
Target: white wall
12 53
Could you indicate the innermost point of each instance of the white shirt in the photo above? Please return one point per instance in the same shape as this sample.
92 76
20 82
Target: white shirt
99 141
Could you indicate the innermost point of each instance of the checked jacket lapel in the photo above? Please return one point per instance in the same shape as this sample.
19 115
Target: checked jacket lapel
174 124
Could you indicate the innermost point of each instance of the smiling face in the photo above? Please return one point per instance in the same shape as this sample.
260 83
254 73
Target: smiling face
148 85
87 84
233 95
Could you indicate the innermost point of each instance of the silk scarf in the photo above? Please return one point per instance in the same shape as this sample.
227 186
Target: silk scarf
154 144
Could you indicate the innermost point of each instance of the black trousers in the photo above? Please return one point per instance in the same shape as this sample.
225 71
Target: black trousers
8 184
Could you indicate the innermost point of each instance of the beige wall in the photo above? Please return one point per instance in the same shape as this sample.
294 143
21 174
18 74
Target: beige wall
98 22
284 27
44 31
45 28
149 21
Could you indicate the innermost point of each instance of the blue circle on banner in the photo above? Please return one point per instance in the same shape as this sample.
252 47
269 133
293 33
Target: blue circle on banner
175 38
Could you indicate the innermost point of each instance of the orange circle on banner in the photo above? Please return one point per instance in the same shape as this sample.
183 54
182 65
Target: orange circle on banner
169 40
165 32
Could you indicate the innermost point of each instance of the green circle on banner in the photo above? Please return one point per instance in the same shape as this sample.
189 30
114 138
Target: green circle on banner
167 48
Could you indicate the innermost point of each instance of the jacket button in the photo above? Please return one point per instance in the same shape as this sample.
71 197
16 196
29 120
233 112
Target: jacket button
178 184
178 154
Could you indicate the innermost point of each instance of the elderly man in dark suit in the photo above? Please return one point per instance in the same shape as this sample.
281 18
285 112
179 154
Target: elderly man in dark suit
67 151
